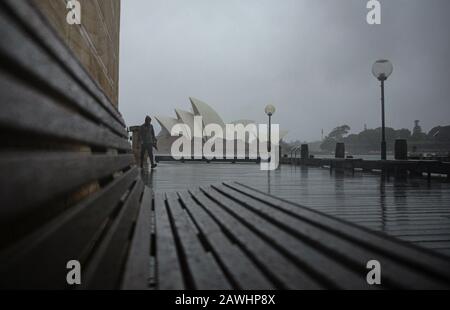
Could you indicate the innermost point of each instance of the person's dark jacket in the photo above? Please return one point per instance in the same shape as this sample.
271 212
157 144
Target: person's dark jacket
147 134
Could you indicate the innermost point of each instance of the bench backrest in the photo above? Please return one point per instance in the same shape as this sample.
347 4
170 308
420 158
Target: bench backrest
69 187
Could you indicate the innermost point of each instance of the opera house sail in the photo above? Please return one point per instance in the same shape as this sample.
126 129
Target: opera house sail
195 121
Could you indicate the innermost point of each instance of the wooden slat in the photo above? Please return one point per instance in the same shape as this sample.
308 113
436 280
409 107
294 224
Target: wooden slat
31 179
332 272
39 260
105 268
282 271
48 98
137 269
395 274
240 268
43 54
416 270
168 269
203 271
431 262
33 112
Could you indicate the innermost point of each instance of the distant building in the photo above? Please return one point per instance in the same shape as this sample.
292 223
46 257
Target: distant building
199 108
417 133
417 130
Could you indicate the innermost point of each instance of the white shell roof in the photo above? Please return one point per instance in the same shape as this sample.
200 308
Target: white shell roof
167 123
186 117
208 114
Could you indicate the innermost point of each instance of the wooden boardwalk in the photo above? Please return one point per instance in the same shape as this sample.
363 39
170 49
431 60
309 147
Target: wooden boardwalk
413 210
230 236
392 168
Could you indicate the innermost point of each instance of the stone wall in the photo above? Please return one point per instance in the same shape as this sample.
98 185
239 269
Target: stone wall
95 41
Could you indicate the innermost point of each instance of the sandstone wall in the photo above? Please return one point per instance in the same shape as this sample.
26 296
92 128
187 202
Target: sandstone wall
95 42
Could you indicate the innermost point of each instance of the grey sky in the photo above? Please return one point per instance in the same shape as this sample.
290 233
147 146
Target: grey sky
310 58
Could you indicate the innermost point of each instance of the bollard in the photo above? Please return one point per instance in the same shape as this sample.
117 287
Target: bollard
401 149
340 150
292 155
401 153
304 151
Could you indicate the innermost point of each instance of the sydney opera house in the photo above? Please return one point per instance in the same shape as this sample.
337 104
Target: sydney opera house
208 116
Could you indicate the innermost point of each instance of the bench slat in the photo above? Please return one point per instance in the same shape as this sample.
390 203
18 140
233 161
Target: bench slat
31 111
204 272
106 266
39 260
31 179
168 270
244 273
53 114
404 251
137 270
281 270
357 244
333 272
43 55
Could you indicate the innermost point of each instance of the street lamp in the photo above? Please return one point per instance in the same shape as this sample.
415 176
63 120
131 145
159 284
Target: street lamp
382 69
270 110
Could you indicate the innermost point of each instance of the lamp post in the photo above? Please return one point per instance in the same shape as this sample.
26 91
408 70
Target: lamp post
270 110
382 69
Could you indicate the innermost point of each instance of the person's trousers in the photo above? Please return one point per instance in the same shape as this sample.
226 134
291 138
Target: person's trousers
149 149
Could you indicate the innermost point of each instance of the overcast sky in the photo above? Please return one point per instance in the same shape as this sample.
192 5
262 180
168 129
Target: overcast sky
310 58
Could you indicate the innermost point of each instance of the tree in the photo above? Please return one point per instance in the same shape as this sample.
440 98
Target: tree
339 132
336 135
403 134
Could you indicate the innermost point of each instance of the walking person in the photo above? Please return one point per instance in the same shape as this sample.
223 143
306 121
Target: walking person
148 141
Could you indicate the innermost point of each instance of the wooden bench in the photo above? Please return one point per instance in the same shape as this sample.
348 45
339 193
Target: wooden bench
69 188
232 236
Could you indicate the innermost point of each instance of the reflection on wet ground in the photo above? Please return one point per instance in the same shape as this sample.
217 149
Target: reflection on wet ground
412 210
